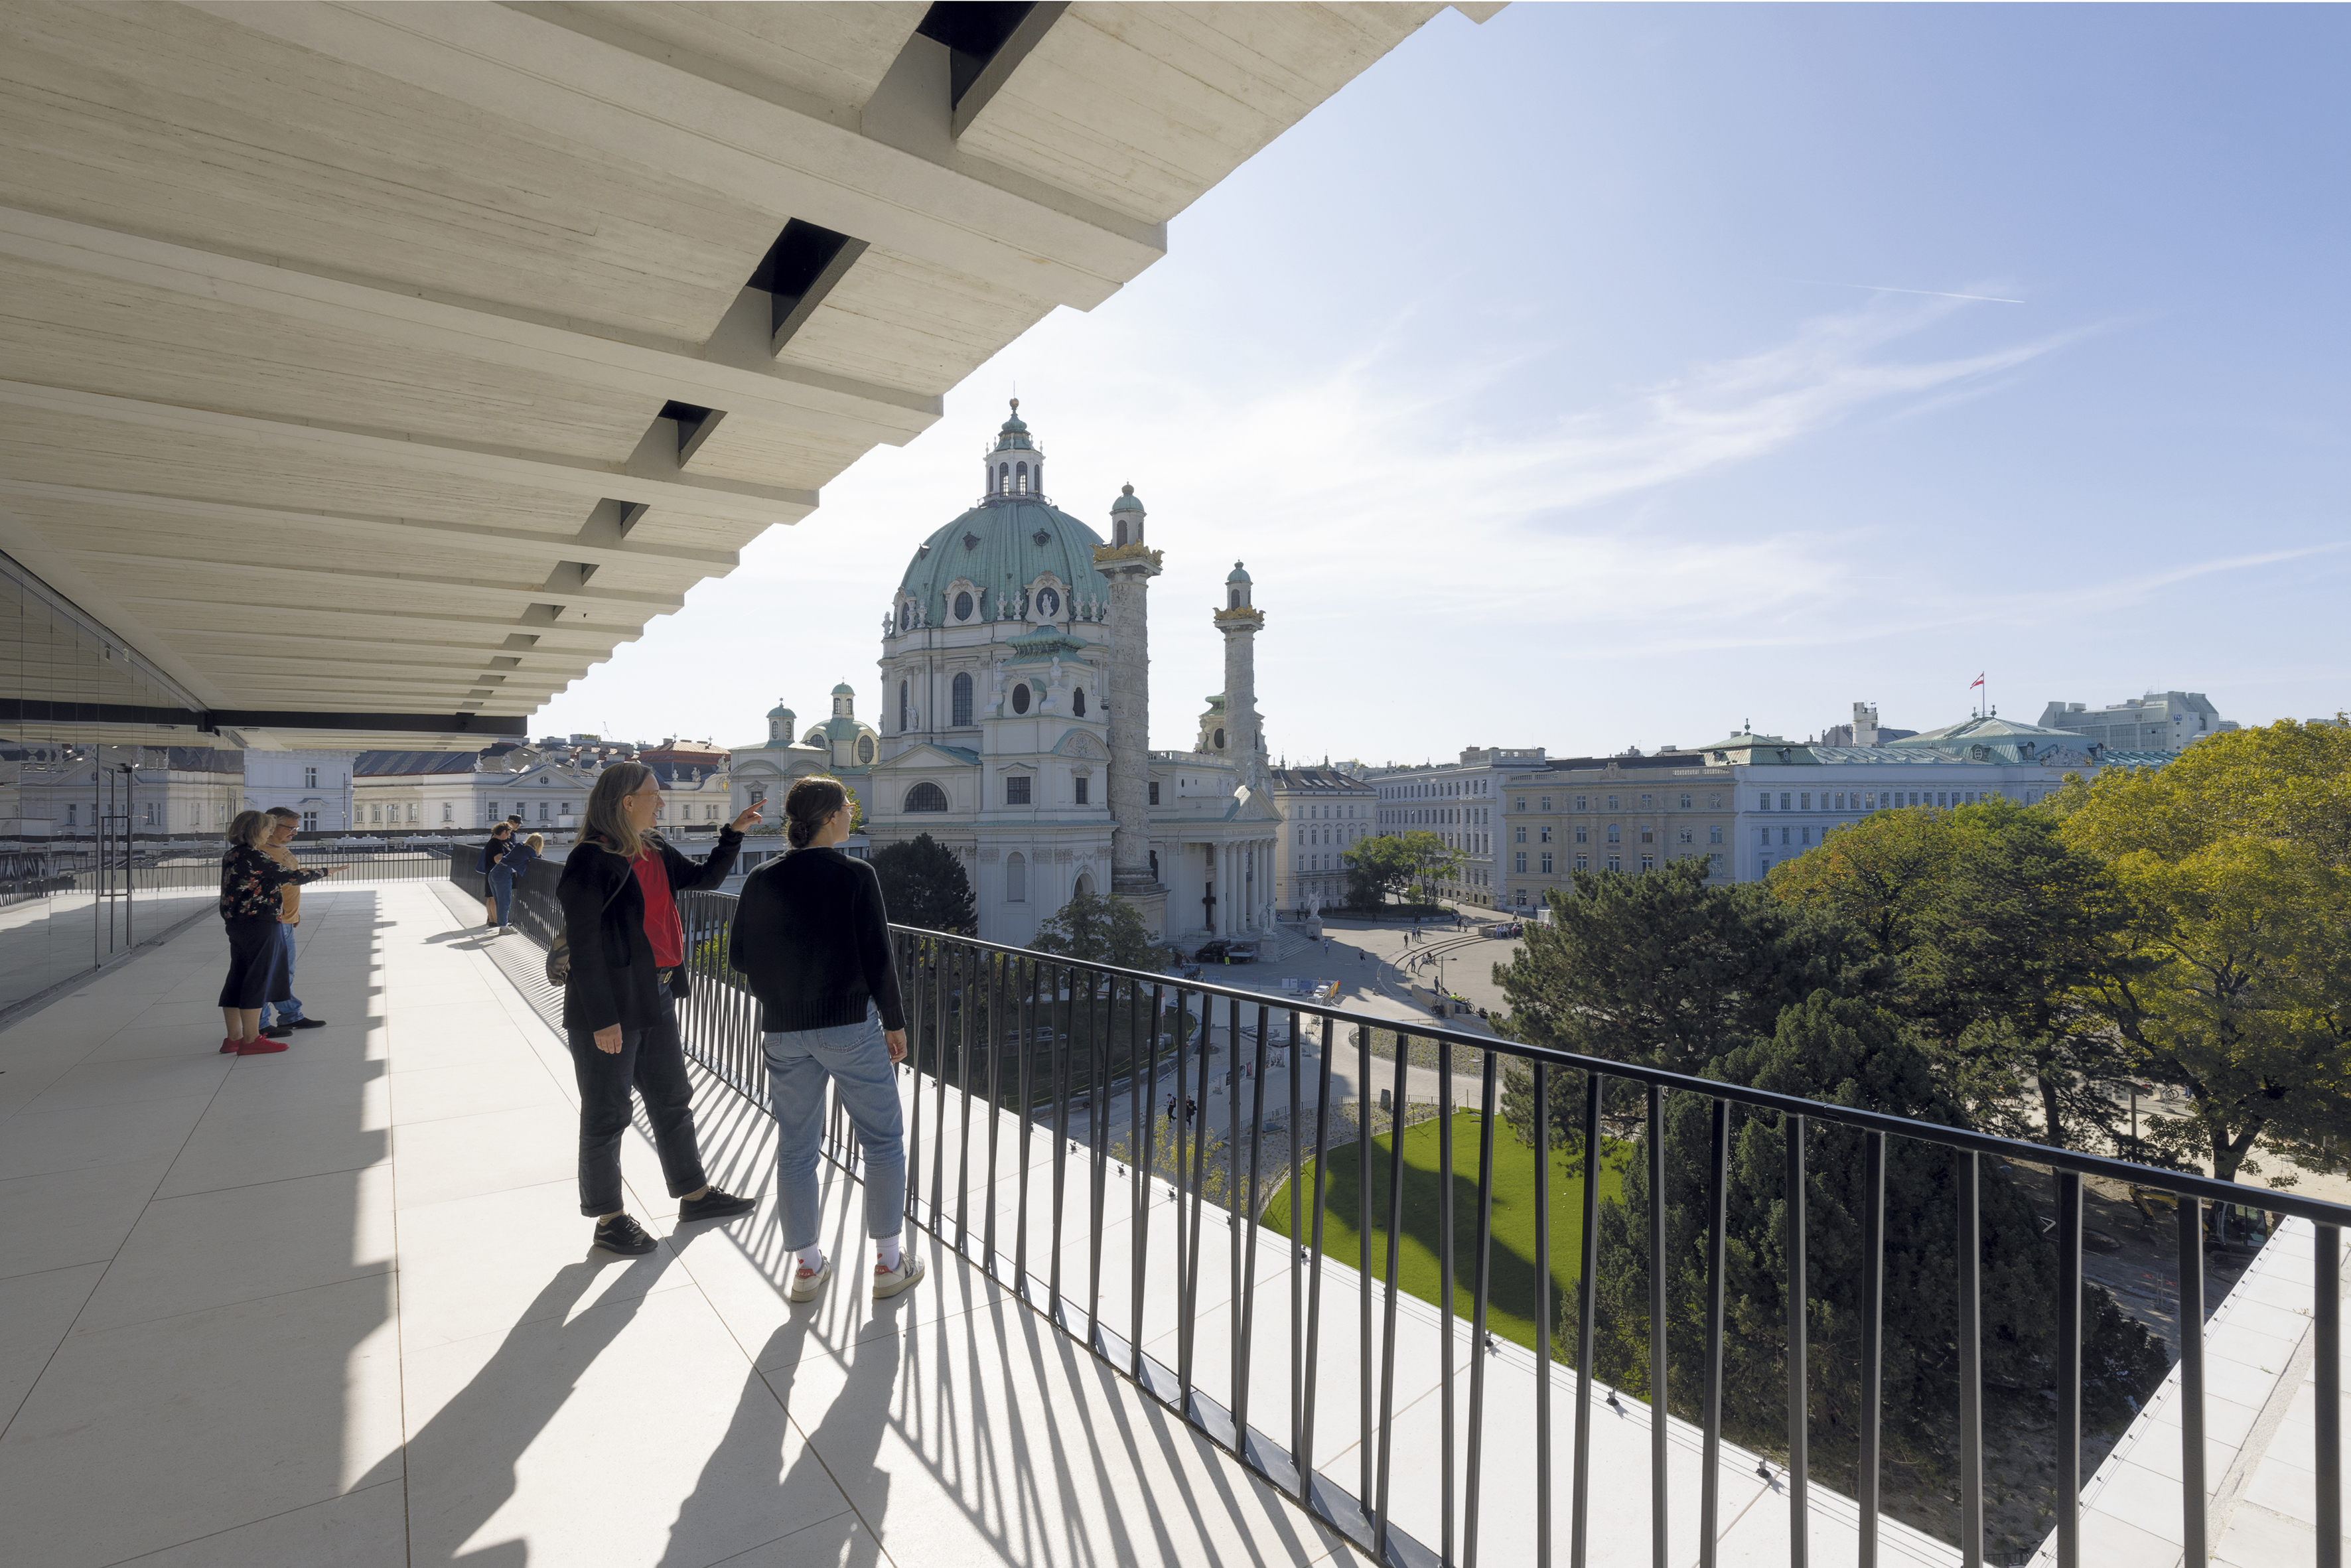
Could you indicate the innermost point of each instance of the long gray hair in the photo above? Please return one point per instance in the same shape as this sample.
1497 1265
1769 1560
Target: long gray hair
608 818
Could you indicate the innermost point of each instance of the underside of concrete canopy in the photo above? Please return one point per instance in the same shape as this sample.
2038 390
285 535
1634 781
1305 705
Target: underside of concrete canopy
370 373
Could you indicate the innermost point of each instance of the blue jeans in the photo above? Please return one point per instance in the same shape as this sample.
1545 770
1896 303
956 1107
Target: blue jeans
858 1061
290 1008
502 889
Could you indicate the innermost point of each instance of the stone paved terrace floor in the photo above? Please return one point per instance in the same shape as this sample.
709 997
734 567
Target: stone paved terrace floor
336 1306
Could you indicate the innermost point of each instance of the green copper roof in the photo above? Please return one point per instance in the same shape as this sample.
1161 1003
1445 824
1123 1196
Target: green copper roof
1002 546
844 690
1127 500
780 711
1238 575
1013 434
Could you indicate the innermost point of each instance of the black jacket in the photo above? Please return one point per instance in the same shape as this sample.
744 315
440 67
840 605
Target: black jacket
812 937
613 980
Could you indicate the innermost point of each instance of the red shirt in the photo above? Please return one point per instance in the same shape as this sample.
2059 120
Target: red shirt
662 928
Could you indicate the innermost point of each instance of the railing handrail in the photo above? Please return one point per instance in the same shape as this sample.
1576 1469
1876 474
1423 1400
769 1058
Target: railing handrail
1966 1139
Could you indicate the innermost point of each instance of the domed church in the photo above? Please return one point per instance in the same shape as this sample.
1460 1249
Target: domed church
1016 722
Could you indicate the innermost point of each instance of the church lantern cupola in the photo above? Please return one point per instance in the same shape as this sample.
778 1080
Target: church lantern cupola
780 720
845 701
1126 516
1016 463
1236 589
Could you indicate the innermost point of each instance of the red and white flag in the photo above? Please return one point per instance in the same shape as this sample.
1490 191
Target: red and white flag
1974 684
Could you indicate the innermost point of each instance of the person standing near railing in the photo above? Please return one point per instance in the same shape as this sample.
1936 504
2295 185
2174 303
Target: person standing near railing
514 867
497 888
812 938
619 894
290 1017
249 907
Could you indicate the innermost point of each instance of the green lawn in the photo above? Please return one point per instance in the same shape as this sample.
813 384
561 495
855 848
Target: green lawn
1511 1307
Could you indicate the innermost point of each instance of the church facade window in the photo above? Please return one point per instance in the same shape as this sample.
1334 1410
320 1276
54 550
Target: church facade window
905 706
865 751
1021 477
1220 740
1155 800
1016 791
1016 875
1003 478
1081 785
1020 697
962 703
1077 702
963 606
926 797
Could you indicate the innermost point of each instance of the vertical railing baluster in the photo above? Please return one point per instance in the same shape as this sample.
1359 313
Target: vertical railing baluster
1799 1411
1658 1533
1180 1128
911 950
1587 1286
939 1086
2069 1369
1368 1451
1296 1269
994 1034
2326 1332
1542 1315
1248 1283
1388 1304
966 1008
1873 1338
1445 1299
1233 1203
1970 1329
1098 1138
1144 1165
1065 1004
2191 1384
1198 1198
1028 1093
1484 1266
1305 1446
1718 1202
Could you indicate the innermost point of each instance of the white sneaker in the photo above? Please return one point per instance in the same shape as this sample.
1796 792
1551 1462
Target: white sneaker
807 1287
888 1282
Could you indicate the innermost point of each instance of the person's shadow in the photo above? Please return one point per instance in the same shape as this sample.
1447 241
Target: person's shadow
504 1407
839 1455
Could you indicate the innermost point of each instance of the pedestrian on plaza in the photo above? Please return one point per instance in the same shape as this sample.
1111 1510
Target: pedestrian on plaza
1170 1109
812 939
492 856
289 1015
619 894
258 970
1191 1109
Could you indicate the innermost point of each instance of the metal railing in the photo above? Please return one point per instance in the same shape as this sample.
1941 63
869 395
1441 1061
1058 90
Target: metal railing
967 998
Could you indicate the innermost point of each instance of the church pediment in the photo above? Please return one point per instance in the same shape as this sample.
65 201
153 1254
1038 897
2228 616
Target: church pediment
1080 743
930 754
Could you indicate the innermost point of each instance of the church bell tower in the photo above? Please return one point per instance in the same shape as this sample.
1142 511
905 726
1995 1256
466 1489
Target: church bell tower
1241 622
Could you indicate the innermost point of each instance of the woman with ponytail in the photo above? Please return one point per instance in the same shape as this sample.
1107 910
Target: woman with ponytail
619 894
813 939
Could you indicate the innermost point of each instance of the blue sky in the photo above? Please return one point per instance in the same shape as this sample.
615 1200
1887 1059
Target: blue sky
1593 379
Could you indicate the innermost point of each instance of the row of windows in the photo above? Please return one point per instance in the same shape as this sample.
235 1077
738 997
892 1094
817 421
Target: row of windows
959 709
1880 800
1614 863
1436 790
929 797
1615 835
1647 802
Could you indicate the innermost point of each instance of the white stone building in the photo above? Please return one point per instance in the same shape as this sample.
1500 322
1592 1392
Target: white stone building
1458 801
314 785
1016 722
53 791
843 747
2159 721
1324 812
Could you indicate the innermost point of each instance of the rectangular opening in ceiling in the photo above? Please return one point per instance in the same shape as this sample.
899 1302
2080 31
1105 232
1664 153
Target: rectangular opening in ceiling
799 271
972 31
693 423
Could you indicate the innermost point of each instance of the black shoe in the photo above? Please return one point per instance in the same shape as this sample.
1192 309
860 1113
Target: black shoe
278 1032
309 1023
623 1235
714 1205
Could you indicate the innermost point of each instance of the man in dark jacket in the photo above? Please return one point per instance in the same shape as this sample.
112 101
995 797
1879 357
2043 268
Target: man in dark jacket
628 969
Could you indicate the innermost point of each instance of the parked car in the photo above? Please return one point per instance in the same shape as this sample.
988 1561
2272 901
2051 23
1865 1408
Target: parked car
1223 950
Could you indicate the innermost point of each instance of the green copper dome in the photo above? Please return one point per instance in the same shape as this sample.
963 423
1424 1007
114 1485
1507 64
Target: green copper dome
1127 501
780 711
1238 574
1002 546
1014 433
844 690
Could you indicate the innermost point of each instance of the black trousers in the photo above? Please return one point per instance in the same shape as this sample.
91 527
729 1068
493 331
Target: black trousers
653 1062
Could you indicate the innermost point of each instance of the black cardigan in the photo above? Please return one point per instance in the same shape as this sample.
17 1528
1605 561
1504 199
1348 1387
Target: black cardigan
812 937
613 980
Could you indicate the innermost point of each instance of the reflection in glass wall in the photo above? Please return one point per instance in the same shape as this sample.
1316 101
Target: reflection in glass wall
113 835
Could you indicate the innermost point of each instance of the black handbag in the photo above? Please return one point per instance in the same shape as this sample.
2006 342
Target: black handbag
559 952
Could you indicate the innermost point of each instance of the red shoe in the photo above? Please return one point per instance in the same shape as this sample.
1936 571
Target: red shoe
230 1044
259 1047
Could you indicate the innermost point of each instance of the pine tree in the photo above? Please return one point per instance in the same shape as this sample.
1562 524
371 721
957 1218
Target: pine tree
924 885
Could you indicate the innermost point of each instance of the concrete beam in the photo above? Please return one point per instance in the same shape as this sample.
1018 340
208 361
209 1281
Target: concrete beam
642 478
610 91
714 375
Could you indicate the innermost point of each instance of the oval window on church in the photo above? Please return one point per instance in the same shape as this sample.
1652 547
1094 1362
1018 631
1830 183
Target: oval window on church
1048 603
1220 740
864 751
1077 702
963 607
1020 697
